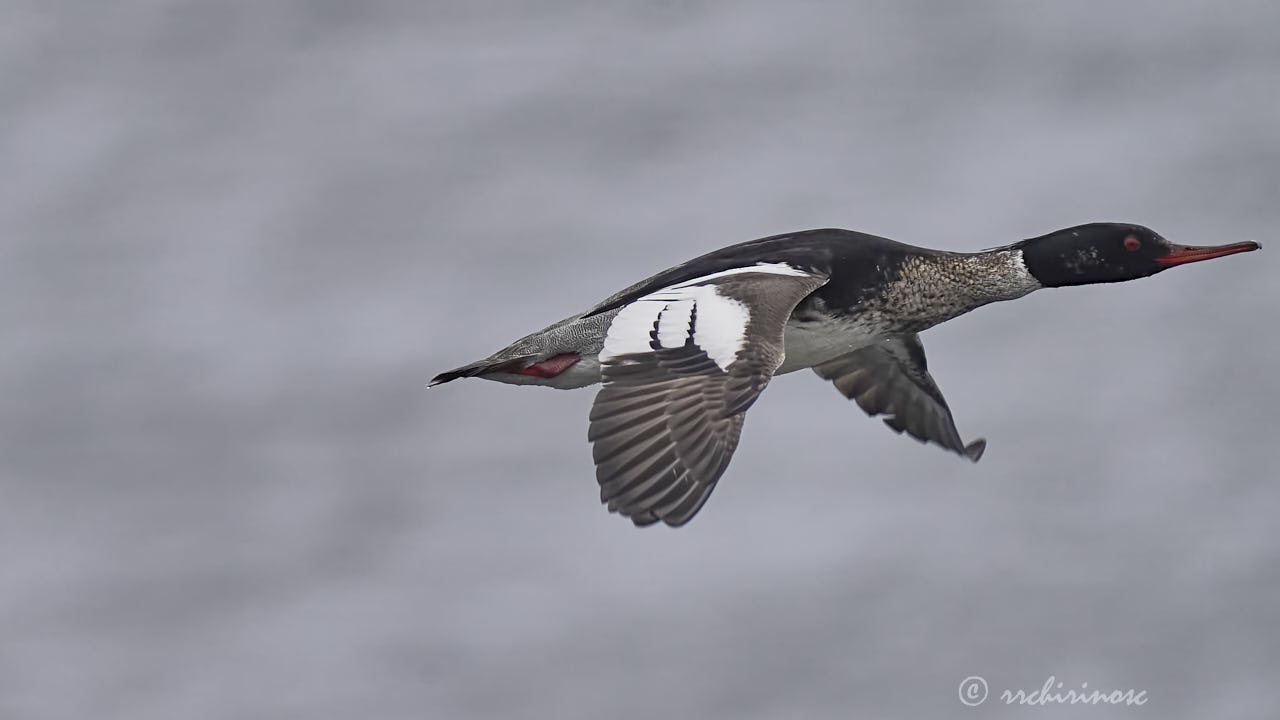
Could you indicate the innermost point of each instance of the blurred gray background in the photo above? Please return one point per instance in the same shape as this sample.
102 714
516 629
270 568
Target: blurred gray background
236 239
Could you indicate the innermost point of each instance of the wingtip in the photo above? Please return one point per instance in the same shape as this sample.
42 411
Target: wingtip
974 450
641 520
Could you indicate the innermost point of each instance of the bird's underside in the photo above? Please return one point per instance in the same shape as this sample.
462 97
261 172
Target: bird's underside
681 365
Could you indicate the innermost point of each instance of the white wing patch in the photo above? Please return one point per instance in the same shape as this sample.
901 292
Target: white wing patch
767 268
673 323
629 333
720 327
693 309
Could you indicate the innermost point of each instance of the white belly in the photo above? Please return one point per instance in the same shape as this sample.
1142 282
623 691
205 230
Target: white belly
813 343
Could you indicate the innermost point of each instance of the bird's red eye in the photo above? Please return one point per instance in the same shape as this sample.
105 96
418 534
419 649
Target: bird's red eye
1132 243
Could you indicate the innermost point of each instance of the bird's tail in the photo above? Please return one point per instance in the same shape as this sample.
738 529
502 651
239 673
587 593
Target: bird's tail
480 367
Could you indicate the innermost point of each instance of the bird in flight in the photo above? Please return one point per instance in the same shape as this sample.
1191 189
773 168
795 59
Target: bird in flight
683 355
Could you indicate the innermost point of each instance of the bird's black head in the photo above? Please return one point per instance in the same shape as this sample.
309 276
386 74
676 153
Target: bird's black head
1110 252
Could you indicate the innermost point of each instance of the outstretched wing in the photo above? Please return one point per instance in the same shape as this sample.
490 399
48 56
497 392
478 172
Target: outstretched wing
892 378
680 367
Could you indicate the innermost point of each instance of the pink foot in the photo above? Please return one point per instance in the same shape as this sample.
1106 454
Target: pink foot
551 367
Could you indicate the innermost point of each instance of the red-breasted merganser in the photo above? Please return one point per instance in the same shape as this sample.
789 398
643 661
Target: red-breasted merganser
684 354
